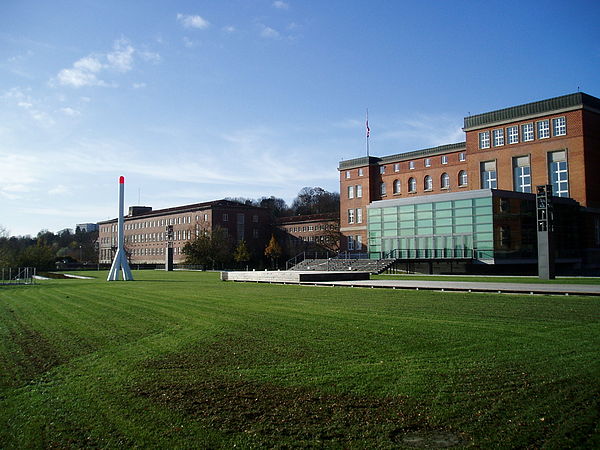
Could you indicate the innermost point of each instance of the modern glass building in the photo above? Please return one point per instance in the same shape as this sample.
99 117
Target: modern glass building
485 226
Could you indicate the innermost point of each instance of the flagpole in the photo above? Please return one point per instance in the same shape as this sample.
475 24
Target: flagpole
368 131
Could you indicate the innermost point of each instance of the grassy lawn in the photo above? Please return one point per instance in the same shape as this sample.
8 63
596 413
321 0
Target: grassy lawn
488 279
185 360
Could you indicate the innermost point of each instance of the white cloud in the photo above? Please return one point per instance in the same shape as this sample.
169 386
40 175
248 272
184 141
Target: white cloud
57 190
70 112
269 33
281 5
121 58
229 29
86 71
189 21
88 64
139 85
189 43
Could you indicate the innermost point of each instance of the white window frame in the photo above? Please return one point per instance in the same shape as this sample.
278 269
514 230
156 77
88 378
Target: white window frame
350 191
359 216
513 134
427 162
428 183
359 191
347 174
444 159
445 181
360 172
381 170
462 157
463 179
397 167
543 129
396 186
559 126
498 137
484 139
382 189
412 185
411 165
351 216
527 132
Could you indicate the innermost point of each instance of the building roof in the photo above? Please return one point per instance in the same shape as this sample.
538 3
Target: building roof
564 103
307 218
432 151
188 208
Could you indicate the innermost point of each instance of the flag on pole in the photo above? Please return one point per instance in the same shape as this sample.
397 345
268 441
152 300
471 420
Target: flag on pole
368 129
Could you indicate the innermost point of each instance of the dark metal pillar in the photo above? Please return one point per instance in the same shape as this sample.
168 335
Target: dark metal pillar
545 232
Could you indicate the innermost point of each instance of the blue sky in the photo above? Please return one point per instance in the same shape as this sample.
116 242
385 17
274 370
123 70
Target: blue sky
198 100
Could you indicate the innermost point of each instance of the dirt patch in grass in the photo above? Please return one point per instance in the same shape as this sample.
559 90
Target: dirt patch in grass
34 355
281 415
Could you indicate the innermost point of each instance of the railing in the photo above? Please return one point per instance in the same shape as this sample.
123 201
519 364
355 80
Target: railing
20 275
429 253
307 255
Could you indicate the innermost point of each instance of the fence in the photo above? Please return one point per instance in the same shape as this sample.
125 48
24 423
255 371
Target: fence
20 275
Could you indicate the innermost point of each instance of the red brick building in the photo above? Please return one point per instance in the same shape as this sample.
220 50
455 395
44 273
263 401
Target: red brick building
554 141
309 231
145 229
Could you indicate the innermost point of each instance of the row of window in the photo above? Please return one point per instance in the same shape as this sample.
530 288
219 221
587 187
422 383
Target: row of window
427 183
300 229
411 165
355 215
510 135
355 190
558 174
182 220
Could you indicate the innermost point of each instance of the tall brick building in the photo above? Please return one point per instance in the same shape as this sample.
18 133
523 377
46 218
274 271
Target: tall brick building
554 141
145 229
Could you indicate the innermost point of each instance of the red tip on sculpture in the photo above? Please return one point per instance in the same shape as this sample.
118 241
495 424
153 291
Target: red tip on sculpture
121 180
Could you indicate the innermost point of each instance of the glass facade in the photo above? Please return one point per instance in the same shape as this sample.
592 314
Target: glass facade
487 225
460 228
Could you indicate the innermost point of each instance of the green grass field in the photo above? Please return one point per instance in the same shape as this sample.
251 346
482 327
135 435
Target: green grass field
185 360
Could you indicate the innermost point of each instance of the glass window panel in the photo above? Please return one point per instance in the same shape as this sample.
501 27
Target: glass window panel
463 229
407 224
483 219
393 210
390 218
424 231
443 205
374 226
374 234
443 222
463 212
424 207
390 226
425 223
463 220
462 203
485 228
483 210
407 209
443 230
486 201
424 214
388 233
480 237
444 213
407 232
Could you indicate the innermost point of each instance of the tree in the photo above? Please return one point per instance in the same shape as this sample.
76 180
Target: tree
315 200
242 254
208 249
273 250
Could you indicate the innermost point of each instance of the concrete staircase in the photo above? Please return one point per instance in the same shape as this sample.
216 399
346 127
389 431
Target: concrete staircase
340 265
